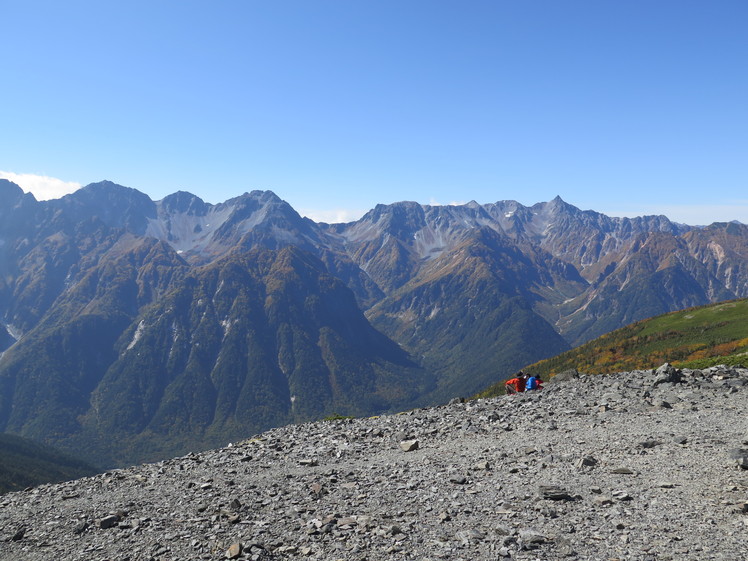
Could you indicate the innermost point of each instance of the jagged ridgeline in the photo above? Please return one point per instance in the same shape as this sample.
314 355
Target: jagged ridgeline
695 338
135 329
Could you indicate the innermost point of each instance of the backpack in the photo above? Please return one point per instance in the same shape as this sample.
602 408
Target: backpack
531 384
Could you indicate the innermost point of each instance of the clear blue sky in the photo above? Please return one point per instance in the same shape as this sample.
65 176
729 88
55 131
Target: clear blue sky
626 107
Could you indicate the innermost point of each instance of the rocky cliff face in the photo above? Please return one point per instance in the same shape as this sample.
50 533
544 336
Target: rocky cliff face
171 325
640 465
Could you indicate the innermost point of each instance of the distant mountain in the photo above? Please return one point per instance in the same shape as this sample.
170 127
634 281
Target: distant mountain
133 329
24 463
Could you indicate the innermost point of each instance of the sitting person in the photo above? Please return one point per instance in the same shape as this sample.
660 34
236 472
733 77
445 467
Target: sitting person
534 383
516 384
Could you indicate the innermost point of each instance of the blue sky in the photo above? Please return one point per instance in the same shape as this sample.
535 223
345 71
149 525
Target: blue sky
626 107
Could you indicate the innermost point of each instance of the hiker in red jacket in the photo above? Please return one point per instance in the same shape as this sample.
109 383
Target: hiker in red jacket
516 384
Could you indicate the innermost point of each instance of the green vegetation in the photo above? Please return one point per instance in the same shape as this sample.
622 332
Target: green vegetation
692 338
338 417
24 463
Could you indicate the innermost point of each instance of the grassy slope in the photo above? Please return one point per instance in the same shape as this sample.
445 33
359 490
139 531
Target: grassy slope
24 463
693 338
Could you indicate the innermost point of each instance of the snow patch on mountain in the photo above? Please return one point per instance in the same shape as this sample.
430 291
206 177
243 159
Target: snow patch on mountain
13 331
137 335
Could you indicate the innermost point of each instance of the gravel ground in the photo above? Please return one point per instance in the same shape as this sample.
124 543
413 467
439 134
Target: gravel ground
632 466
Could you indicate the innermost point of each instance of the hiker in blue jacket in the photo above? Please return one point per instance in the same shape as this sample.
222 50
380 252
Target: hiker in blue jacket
533 383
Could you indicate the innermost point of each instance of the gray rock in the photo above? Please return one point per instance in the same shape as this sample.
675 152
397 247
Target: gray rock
667 374
586 461
740 455
409 445
18 534
109 521
554 493
234 551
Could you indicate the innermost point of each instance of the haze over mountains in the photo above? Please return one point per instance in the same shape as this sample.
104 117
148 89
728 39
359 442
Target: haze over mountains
133 329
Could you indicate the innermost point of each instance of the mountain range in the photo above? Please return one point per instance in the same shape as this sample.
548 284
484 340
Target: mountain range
135 329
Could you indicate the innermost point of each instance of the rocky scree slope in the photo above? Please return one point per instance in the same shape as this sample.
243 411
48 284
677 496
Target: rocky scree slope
646 465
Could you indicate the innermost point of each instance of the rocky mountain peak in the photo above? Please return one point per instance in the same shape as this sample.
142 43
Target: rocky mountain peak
11 195
115 205
9 192
185 203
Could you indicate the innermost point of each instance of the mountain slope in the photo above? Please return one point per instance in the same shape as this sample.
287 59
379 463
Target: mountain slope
24 463
469 314
136 329
252 341
695 337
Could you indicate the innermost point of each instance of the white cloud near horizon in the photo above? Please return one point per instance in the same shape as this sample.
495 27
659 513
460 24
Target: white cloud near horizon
41 186
334 216
434 202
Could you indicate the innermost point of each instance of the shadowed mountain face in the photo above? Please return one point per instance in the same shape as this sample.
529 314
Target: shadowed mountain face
135 329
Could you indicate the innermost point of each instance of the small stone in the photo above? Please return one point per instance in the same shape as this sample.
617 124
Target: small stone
394 530
409 445
740 456
234 551
667 374
458 480
18 536
308 462
622 471
554 493
621 496
587 461
530 539
109 521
